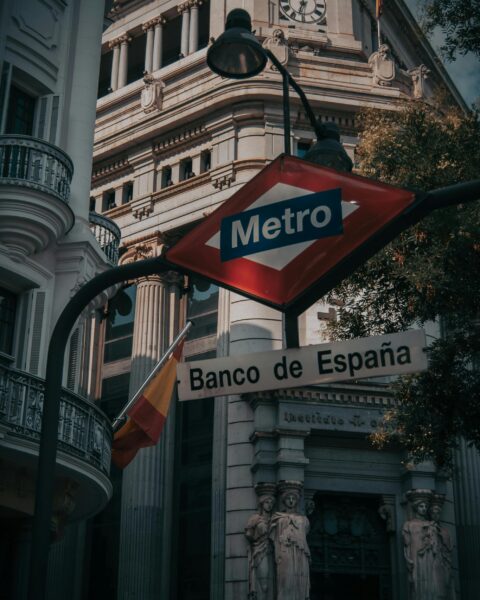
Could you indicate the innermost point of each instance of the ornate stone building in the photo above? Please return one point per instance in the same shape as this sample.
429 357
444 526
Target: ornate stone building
172 142
49 246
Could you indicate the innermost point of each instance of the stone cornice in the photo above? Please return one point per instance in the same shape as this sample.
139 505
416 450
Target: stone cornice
357 395
101 173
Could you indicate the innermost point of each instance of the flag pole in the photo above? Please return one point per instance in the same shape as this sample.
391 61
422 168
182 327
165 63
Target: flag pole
117 421
378 12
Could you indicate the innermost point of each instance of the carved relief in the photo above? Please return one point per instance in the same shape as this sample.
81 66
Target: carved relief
419 75
278 46
152 94
383 66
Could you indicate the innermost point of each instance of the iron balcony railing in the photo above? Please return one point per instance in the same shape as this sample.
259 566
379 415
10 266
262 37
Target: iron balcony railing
84 431
107 234
30 162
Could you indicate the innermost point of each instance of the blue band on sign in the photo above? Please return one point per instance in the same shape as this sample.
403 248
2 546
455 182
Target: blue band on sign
280 224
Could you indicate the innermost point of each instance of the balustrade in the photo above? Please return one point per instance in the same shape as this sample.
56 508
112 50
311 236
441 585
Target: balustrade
83 429
33 163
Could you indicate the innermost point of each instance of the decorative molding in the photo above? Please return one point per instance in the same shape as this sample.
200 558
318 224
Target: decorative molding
39 20
177 138
111 169
223 176
142 207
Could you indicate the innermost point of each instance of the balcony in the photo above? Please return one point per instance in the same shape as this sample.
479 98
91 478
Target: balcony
107 234
84 438
35 179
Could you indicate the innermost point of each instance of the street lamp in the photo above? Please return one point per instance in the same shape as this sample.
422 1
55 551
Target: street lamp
237 54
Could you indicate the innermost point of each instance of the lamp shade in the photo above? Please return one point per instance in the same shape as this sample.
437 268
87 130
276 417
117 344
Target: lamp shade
237 54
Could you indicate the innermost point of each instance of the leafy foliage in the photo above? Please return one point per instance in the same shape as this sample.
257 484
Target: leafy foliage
460 22
431 271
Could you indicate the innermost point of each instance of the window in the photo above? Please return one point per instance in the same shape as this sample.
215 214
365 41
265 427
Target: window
119 327
127 192
21 110
105 74
172 35
205 161
108 200
202 308
8 308
303 148
136 59
204 25
166 177
186 170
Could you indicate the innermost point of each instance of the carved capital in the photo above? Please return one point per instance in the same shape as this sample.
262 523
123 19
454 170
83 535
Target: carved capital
122 39
195 3
184 6
149 24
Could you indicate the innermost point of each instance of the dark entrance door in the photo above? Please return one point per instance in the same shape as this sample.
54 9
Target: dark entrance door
344 587
350 549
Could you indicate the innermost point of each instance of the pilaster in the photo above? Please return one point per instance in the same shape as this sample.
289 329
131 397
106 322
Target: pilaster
146 482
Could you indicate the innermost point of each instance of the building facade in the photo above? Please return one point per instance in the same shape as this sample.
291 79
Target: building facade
49 246
173 142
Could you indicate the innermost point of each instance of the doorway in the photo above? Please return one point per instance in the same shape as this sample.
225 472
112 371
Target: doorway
349 547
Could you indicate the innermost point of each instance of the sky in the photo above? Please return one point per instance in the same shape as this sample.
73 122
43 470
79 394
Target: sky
464 71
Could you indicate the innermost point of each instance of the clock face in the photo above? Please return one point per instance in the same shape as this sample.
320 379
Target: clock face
303 11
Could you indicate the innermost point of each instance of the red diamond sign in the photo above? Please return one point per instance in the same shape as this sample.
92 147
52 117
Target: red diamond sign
293 232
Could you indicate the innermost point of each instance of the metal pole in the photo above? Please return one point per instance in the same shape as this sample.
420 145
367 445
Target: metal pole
156 369
453 194
45 483
298 89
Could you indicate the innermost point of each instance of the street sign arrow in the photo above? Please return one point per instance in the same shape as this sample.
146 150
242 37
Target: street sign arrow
293 232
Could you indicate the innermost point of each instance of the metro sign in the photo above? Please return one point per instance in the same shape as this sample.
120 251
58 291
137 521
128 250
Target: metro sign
293 232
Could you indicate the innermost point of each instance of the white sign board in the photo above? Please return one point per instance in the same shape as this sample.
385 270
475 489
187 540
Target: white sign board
394 354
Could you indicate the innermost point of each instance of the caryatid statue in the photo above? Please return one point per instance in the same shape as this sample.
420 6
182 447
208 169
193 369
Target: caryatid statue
288 532
261 565
419 546
443 584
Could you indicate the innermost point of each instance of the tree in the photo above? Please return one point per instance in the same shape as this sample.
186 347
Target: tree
430 272
459 21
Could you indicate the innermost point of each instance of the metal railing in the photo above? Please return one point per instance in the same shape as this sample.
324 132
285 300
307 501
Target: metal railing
107 234
84 431
33 163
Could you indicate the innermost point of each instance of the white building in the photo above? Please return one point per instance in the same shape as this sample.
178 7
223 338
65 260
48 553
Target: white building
49 63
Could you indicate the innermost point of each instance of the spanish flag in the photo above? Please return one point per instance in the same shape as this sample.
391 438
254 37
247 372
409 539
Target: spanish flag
148 415
378 8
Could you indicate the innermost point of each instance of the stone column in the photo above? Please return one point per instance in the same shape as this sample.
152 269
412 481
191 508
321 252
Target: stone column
123 62
157 43
193 37
184 9
466 486
115 60
148 28
144 486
